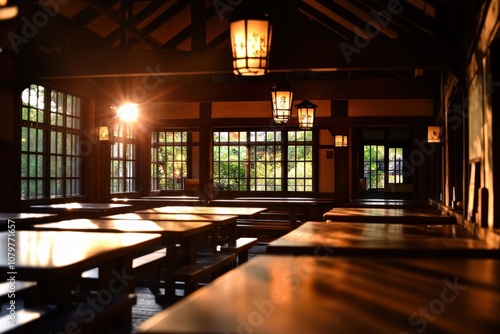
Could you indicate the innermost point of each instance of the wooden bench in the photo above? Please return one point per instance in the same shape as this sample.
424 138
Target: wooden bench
240 247
150 262
263 229
191 275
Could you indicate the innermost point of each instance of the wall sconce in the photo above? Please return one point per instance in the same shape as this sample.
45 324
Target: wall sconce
251 44
434 134
306 111
103 133
282 100
7 13
340 141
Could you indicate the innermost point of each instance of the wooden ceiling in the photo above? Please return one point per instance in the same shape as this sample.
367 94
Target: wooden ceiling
179 39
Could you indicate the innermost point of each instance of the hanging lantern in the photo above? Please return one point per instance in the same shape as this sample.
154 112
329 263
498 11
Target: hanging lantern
7 12
282 100
306 111
251 43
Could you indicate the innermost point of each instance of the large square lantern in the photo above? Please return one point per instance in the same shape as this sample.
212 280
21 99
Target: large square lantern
251 43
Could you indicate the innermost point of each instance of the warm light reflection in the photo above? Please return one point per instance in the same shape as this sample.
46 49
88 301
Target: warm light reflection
50 249
67 206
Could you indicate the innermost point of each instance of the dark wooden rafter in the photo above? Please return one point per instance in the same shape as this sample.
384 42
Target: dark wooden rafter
409 22
132 22
320 19
198 25
365 16
160 20
84 17
111 14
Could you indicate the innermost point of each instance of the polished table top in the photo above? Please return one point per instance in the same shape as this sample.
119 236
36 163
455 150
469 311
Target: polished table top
269 200
24 220
207 210
217 220
318 295
387 203
50 254
177 229
172 233
389 215
91 207
26 216
367 239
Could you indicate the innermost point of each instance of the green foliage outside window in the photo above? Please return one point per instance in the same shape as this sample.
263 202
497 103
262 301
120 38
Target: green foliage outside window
255 161
50 144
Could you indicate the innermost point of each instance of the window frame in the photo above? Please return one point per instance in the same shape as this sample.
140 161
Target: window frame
185 145
58 125
275 144
123 161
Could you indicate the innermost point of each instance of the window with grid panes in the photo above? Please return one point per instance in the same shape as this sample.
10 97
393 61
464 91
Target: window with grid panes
374 166
123 159
254 160
300 161
50 144
395 169
169 152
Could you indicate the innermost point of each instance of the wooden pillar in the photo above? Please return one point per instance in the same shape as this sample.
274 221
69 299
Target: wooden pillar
206 189
495 131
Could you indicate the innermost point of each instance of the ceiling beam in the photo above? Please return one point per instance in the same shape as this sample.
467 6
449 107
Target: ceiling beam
110 14
312 56
338 89
158 90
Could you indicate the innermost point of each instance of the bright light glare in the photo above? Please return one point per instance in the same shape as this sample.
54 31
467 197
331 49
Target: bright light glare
128 112
8 12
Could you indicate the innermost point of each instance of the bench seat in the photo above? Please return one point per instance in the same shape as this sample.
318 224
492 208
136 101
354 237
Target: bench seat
240 247
192 274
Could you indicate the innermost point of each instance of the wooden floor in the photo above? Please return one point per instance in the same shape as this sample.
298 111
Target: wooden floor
146 305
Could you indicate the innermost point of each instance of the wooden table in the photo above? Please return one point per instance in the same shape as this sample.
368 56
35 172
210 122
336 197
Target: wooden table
56 260
179 237
387 216
373 239
387 203
24 220
293 204
172 233
318 295
83 210
154 201
225 225
241 212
